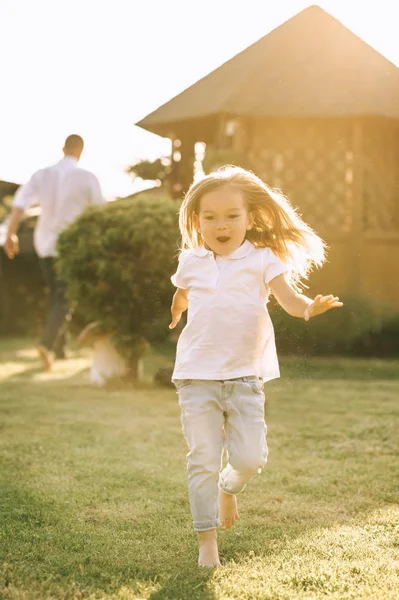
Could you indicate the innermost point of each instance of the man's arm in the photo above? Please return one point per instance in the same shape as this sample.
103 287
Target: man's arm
179 305
24 197
96 194
298 305
11 245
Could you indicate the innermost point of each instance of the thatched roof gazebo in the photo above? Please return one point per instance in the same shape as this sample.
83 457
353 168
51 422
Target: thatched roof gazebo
316 111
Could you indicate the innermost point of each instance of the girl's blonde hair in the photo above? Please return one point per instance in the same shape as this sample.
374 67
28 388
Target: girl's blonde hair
276 224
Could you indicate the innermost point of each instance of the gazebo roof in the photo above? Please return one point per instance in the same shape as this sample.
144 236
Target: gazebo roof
311 65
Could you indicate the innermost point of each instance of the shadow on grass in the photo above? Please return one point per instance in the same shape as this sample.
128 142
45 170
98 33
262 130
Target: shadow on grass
36 376
52 552
81 378
20 363
21 351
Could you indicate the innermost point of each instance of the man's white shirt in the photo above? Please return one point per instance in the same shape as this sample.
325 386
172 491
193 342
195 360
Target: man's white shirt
63 191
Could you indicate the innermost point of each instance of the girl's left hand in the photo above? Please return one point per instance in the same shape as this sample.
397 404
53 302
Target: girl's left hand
322 304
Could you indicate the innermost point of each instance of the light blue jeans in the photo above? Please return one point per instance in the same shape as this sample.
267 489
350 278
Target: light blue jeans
216 416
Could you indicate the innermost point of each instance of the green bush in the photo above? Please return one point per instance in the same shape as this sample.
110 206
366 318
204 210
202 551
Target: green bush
23 297
359 328
385 341
117 260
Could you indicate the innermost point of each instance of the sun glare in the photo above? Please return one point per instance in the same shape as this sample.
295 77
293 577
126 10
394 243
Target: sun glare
123 62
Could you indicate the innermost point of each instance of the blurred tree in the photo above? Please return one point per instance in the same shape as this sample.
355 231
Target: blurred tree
218 157
158 170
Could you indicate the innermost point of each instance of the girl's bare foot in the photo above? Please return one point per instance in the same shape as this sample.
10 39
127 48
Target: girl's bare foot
208 549
228 510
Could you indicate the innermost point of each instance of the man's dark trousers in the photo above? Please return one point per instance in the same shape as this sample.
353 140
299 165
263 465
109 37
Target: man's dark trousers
53 337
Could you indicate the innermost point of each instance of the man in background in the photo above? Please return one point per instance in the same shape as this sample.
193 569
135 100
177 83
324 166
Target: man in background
63 191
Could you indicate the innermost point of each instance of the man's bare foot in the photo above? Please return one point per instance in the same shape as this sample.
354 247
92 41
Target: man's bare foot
44 356
228 509
208 549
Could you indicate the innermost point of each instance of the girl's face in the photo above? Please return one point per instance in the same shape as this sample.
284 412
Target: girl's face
223 220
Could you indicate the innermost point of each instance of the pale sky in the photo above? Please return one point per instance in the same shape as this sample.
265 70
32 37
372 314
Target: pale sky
95 67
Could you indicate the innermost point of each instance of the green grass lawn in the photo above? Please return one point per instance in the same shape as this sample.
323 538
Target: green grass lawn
93 498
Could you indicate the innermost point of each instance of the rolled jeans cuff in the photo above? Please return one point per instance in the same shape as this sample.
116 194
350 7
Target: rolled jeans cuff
226 491
231 482
206 525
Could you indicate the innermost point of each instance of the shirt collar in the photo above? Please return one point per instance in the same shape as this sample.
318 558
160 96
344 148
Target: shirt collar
241 252
69 160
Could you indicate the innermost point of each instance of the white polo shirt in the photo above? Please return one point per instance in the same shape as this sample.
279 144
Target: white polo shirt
229 332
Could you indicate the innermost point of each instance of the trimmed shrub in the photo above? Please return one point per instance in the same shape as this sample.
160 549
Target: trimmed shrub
385 341
359 328
117 260
23 296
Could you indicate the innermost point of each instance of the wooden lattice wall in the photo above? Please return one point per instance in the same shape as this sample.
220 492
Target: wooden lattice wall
381 176
343 175
311 161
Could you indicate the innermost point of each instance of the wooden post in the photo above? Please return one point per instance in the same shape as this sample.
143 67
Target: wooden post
357 229
187 152
174 180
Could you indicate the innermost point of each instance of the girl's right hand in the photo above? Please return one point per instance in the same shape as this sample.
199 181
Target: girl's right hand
179 305
321 304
